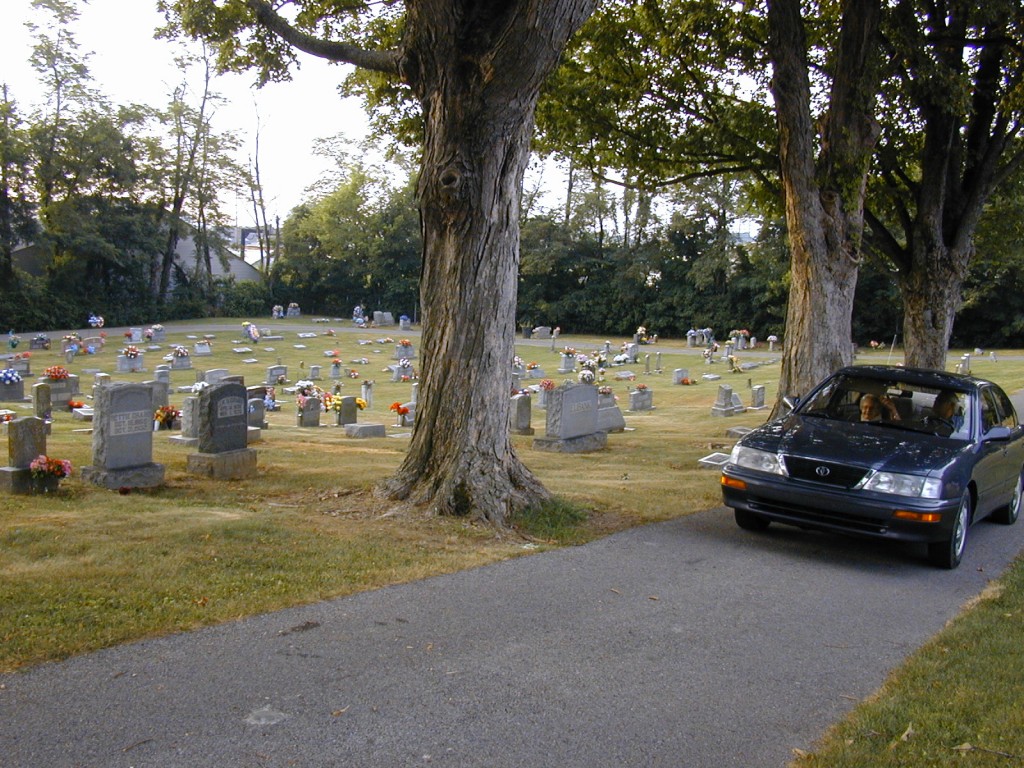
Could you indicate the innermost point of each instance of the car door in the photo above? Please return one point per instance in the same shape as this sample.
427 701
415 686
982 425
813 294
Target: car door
998 461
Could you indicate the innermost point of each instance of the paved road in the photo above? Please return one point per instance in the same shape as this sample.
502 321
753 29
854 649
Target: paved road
689 643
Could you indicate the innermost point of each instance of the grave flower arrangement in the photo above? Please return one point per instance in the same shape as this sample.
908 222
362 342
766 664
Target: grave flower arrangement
353 373
199 386
398 408
72 404
42 340
586 376
73 338
569 351
131 352
5 417
640 387
547 385
9 376
165 416
517 362
605 391
532 366
12 340
180 351
404 343
56 372
360 404
43 467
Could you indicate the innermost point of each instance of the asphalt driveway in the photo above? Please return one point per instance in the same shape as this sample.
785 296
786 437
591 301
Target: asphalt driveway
690 643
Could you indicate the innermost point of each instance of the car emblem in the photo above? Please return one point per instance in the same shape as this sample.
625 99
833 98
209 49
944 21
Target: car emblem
822 471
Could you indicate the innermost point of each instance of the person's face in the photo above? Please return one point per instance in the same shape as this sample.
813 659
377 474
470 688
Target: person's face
944 408
870 409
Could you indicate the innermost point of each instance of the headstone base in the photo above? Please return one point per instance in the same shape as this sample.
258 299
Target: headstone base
523 431
365 430
253 435
15 480
610 419
182 440
144 476
582 444
229 465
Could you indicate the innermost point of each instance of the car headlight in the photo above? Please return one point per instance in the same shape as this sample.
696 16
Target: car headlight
752 458
902 485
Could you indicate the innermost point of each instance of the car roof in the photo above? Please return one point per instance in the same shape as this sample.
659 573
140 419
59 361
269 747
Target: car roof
926 377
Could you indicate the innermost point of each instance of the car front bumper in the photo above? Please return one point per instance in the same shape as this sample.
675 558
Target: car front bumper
809 505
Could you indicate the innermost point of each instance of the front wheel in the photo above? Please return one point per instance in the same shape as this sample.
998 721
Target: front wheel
948 553
748 521
1008 515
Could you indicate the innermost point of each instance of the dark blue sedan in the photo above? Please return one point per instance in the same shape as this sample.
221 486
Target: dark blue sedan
882 451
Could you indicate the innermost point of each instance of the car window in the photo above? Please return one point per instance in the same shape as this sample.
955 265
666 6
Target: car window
1007 414
989 410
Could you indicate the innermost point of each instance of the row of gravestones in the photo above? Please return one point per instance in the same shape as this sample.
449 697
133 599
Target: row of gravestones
122 439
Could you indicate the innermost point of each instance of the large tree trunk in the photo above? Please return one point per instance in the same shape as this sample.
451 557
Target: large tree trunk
931 297
824 201
477 69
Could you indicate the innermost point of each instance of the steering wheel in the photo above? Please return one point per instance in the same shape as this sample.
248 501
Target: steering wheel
941 422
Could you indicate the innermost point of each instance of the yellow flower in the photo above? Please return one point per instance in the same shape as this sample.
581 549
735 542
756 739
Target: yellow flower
360 403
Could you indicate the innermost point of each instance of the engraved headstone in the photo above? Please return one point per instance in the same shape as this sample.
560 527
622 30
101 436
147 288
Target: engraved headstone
122 438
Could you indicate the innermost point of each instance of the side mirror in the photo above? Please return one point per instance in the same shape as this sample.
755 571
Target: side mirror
790 402
997 433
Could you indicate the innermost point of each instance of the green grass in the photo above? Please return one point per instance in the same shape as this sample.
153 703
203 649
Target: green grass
87 568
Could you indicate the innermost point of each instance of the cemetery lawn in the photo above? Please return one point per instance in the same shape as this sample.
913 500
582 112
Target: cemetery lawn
86 568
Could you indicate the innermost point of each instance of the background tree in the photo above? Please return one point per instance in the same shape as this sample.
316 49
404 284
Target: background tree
17 207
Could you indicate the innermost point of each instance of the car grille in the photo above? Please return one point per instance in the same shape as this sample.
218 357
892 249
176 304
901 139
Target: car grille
824 472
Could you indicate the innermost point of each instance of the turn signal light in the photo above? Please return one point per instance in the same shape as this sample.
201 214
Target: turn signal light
733 482
917 517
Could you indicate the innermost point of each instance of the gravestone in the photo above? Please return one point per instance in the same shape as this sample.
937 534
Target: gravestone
567 364
26 439
101 380
13 391
314 373
39 342
180 362
223 434
162 373
366 390
404 323
160 392
632 351
542 332
521 415
135 335
202 349
378 317
725 405
404 352
62 390
679 374
215 375
257 410
387 318
335 372
276 374
348 413
571 423
308 414
641 400
610 418
127 364
657 362
42 402
189 423
757 398
122 438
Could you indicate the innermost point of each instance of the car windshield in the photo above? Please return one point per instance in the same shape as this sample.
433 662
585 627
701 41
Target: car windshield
894 404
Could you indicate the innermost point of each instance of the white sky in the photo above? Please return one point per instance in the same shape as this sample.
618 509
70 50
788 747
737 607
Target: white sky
128 66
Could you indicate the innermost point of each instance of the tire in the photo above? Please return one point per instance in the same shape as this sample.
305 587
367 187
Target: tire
947 554
1009 514
748 521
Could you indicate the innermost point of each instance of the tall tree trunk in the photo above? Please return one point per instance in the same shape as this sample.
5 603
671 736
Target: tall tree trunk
824 200
477 70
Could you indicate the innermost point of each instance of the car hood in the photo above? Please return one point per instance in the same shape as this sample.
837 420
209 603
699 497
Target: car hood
856 444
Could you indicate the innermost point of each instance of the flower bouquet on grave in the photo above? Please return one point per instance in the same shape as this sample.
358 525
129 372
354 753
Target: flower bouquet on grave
56 372
586 376
199 386
532 366
353 373
5 417
400 412
404 343
47 473
9 376
42 340
251 331
569 351
517 362
332 403
606 391
361 404
547 385
72 404
131 352
640 387
386 340
165 416
180 351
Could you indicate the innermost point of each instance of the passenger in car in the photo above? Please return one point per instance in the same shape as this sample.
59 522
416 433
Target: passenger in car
946 412
875 408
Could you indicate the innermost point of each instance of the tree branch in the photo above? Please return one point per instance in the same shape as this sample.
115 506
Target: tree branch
386 62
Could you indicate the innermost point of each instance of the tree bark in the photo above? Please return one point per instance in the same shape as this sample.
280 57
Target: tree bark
824 200
477 70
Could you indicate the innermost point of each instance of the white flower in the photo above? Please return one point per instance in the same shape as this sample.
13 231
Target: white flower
199 386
